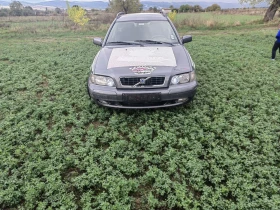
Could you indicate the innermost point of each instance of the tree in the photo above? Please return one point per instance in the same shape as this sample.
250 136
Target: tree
214 7
28 11
127 6
46 11
77 14
270 12
197 8
16 8
4 12
185 8
208 9
57 10
155 9
28 8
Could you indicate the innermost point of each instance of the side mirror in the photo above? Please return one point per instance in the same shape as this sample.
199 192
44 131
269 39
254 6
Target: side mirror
97 41
186 39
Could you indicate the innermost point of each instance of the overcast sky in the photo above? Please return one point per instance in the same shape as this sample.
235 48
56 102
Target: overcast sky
225 1
186 1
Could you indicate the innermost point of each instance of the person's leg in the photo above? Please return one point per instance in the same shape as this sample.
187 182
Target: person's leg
278 47
274 49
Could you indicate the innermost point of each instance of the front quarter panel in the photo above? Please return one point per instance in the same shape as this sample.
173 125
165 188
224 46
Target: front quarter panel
101 61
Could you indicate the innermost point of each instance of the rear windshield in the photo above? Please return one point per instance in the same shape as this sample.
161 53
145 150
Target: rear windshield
147 30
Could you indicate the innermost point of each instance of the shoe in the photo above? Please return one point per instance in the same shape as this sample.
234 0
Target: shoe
273 59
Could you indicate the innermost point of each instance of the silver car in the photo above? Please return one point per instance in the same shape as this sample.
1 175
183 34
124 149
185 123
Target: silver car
142 64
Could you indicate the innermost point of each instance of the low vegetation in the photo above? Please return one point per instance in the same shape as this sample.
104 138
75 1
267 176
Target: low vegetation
214 20
58 150
77 15
98 20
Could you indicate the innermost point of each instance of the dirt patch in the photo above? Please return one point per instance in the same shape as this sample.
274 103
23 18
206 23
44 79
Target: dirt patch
45 82
5 60
68 128
50 123
39 95
96 124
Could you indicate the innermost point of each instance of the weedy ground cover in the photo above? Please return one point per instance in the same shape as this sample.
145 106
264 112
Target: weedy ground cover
214 20
99 21
230 18
60 150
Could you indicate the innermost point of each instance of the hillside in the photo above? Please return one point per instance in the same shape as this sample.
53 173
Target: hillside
146 4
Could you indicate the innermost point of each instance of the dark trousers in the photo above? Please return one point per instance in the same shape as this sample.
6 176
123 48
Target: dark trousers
274 49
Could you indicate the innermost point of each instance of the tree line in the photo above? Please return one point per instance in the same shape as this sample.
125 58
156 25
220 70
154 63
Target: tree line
17 9
197 8
136 6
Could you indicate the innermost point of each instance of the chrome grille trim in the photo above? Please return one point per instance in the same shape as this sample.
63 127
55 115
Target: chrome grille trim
150 81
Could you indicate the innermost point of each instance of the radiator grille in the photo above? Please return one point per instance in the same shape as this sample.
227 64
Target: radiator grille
131 81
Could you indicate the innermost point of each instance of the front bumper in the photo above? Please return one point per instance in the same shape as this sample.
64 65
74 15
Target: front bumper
113 97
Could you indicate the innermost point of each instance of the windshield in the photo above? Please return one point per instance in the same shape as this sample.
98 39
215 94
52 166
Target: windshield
160 31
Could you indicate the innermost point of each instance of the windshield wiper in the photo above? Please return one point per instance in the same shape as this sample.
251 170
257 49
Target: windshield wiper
154 42
126 42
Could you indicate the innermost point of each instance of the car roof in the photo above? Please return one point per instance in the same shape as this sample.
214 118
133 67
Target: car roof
141 17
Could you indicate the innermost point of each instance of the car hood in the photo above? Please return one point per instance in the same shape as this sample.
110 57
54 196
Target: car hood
163 60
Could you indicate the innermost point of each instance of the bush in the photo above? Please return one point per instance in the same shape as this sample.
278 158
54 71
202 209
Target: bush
77 15
172 15
106 18
5 25
4 12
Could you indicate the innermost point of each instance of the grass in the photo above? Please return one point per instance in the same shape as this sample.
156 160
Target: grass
206 20
221 18
60 150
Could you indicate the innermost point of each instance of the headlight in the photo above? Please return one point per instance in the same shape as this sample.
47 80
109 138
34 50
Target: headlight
192 76
183 78
101 80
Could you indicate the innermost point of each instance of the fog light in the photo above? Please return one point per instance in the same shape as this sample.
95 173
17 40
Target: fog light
175 80
110 82
103 102
180 100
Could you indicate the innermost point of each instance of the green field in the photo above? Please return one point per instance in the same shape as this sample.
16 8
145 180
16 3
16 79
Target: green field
212 20
220 18
58 150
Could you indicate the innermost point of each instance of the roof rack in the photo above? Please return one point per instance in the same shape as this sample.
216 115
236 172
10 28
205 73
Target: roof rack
163 13
120 14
